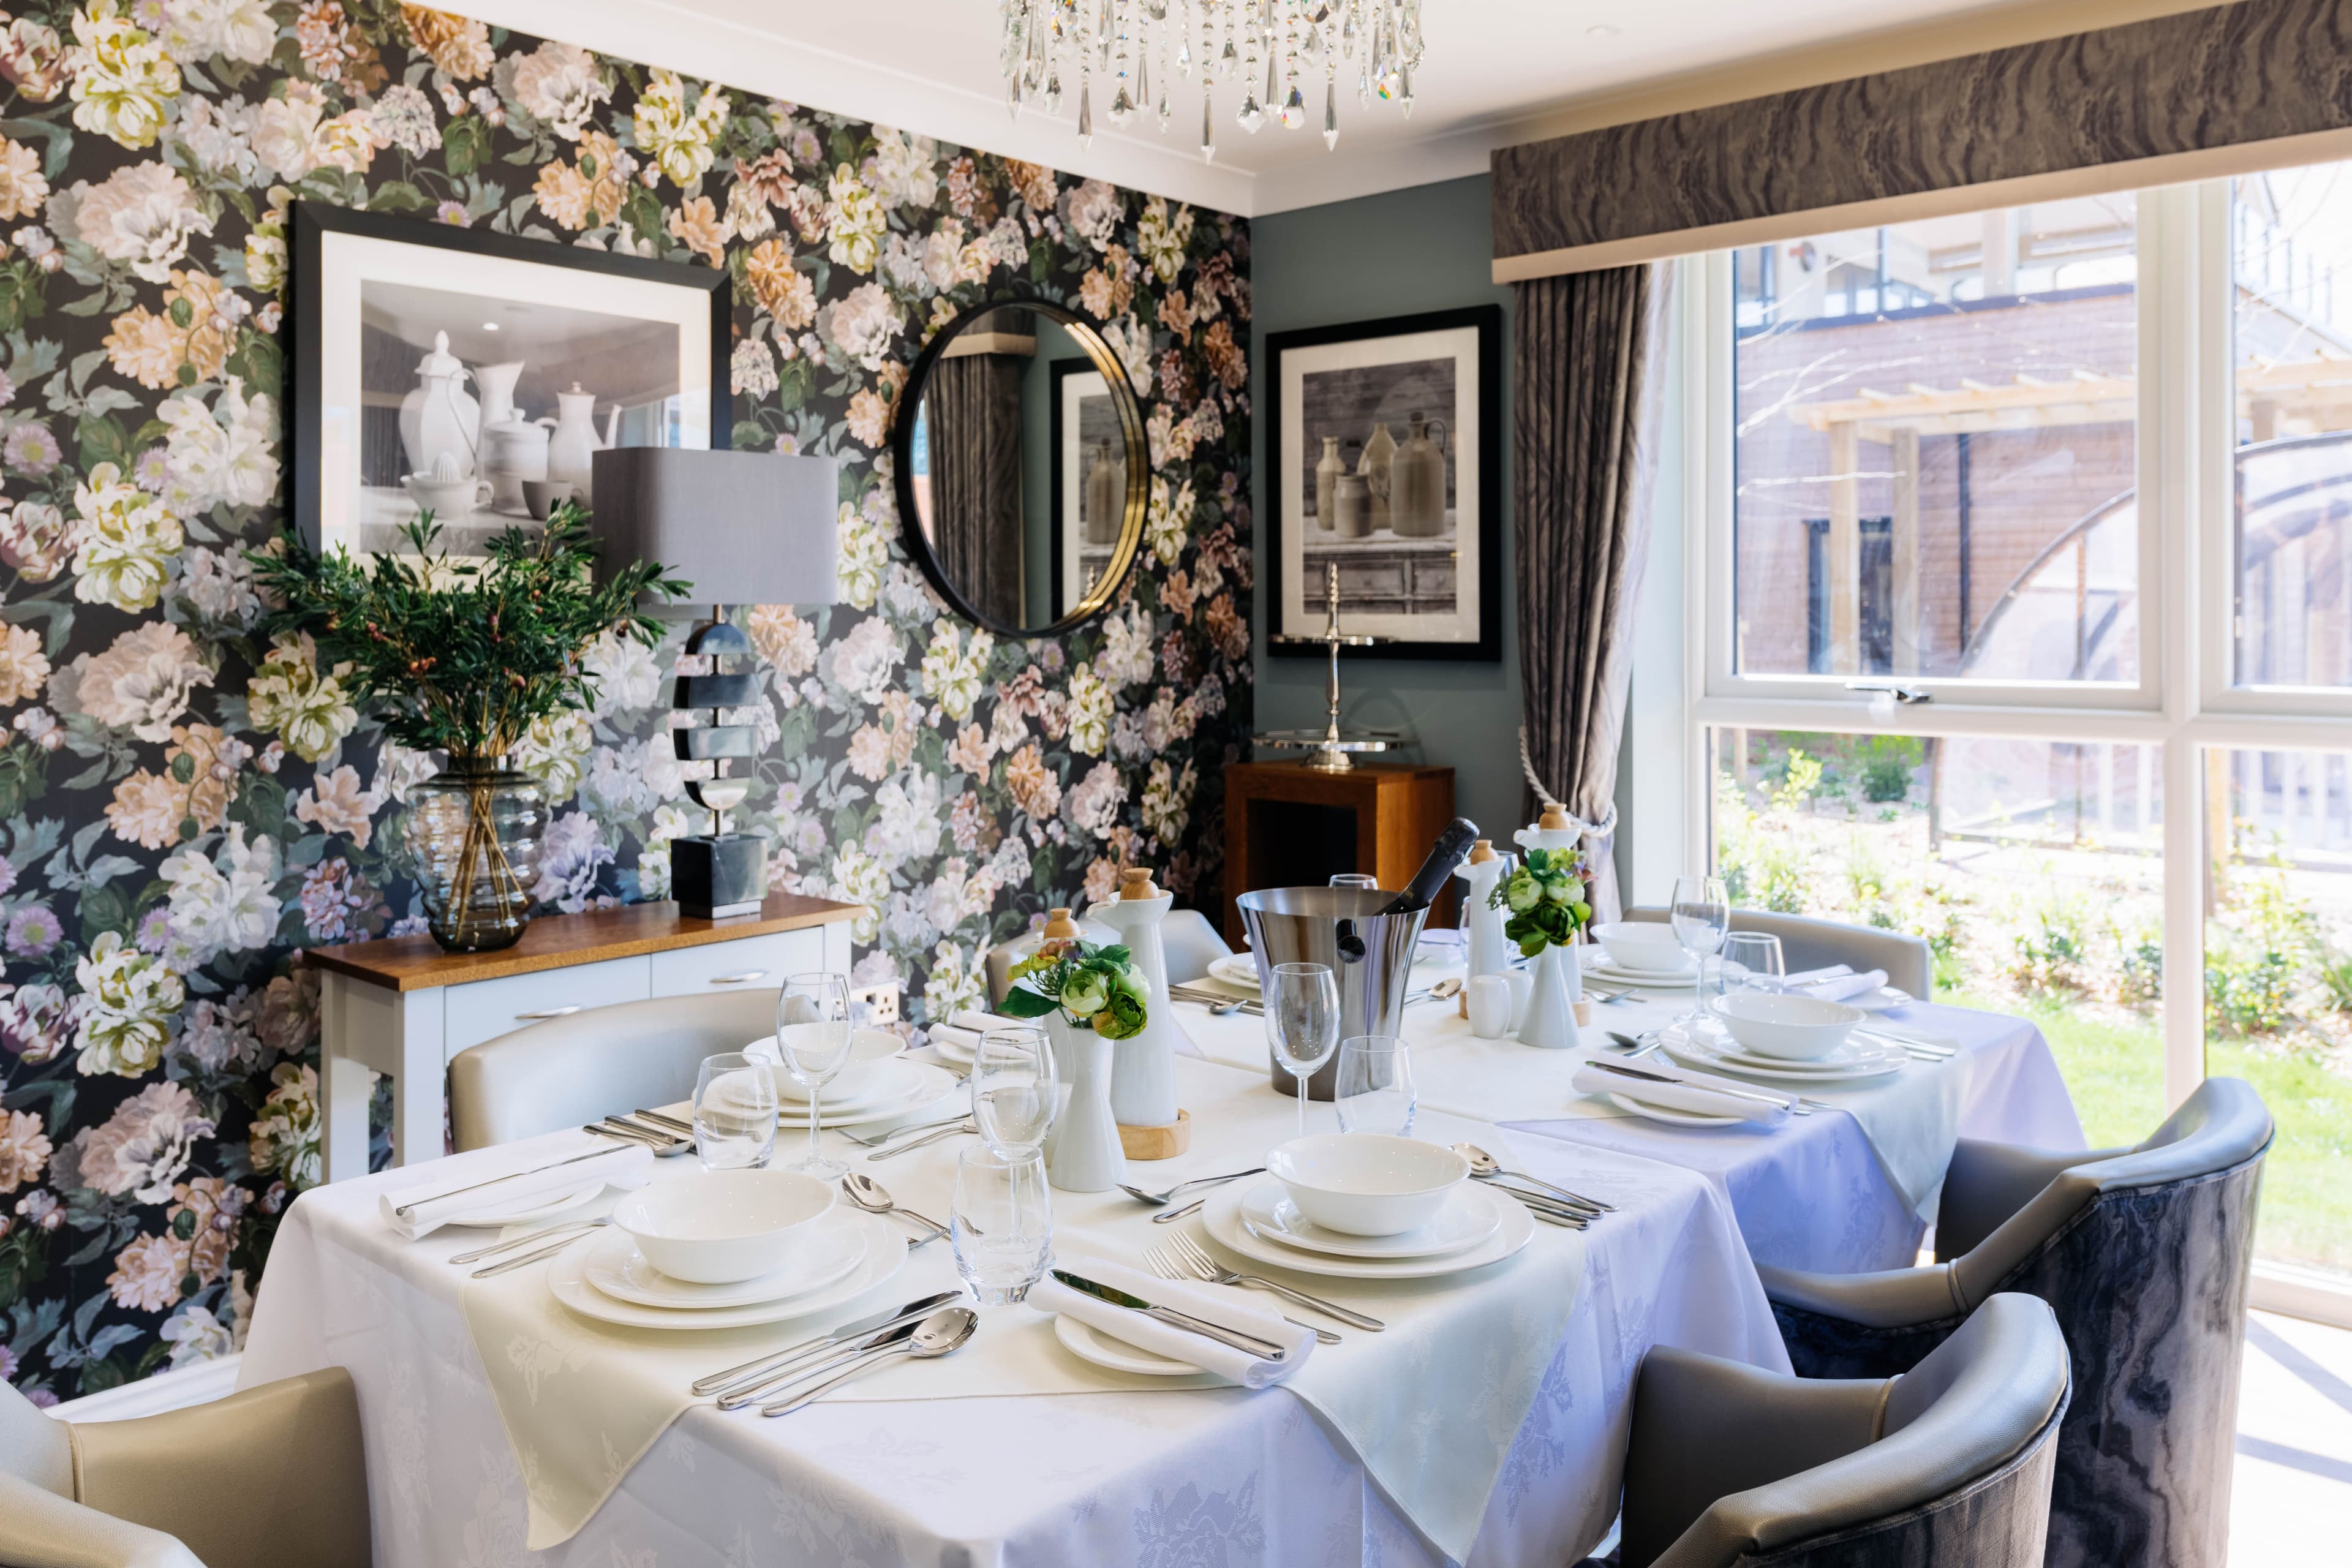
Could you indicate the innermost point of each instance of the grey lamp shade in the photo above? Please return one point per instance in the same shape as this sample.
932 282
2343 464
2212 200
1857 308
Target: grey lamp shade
745 527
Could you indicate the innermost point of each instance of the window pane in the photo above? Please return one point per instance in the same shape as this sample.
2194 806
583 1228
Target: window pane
2034 870
2293 234
1935 448
2278 981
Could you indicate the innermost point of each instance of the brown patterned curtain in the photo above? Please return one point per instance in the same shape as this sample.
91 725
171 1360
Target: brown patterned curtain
974 415
1586 378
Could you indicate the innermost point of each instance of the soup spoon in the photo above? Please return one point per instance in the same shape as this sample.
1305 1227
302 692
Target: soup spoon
875 1198
936 1335
1484 1165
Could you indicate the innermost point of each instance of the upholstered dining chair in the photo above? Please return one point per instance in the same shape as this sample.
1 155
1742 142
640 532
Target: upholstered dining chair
1191 945
1949 1463
272 1478
1807 943
2144 1253
600 1061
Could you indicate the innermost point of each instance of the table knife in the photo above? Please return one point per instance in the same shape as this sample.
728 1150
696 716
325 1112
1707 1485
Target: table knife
767 1368
1786 1102
1248 1344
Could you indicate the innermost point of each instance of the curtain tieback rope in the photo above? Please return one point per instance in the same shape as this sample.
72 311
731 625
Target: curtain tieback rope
1604 828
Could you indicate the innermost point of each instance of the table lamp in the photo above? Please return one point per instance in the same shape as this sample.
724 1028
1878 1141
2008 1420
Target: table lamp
746 528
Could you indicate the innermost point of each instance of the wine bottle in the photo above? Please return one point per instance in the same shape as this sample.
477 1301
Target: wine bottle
1444 855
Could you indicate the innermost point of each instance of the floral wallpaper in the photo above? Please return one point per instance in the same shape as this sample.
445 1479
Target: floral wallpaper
186 803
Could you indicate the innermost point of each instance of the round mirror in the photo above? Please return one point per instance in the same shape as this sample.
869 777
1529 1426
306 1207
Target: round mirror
1022 467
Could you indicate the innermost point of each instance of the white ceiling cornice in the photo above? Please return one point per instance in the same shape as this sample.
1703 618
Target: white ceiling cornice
695 38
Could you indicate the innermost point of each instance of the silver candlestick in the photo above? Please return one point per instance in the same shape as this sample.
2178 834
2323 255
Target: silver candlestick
1327 748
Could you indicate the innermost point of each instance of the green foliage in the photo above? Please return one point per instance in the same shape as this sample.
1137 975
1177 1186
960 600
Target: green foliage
2253 963
2052 945
1097 988
1800 777
458 657
1546 898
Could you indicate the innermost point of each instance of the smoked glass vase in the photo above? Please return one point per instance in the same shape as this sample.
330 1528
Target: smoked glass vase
475 829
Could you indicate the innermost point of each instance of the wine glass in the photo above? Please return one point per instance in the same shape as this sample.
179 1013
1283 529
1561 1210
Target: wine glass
1000 1223
1375 1093
734 1111
1302 1022
1751 962
1368 882
1013 1089
812 1036
1701 915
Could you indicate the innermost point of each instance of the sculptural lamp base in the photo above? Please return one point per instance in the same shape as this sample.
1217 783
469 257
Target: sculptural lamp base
717 879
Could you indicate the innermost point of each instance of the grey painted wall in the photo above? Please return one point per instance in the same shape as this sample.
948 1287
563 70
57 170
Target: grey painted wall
1427 248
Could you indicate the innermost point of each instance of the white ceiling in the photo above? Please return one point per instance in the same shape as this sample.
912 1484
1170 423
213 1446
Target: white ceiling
1496 72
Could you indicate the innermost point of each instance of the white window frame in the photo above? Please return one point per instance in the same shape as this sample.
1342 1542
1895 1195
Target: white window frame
2186 700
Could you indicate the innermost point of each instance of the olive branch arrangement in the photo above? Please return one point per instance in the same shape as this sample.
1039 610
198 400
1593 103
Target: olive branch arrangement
460 655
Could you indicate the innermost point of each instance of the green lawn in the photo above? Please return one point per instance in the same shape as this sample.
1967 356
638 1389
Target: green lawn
2115 1072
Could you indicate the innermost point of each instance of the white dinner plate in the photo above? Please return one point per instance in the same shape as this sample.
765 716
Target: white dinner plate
1649 1113
886 1255
1885 999
931 1084
1221 1217
1708 1057
1648 979
1235 969
541 1209
617 1268
892 1079
1464 1222
1088 1342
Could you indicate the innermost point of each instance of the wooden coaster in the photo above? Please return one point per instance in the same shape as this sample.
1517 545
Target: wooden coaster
1157 1142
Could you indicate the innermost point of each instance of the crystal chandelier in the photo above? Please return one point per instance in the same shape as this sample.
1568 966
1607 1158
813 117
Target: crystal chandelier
1143 48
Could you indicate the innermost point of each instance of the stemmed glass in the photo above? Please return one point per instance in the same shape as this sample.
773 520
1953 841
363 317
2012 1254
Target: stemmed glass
1371 884
1701 915
812 1036
1013 1089
1756 955
1302 1022
1374 1093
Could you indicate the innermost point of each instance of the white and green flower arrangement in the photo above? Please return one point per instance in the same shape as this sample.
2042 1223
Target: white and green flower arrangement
1094 987
1546 898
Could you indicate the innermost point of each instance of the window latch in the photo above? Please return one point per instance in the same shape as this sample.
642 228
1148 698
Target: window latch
1907 695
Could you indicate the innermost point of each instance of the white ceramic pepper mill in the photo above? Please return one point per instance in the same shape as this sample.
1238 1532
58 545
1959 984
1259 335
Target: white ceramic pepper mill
1143 1069
1490 950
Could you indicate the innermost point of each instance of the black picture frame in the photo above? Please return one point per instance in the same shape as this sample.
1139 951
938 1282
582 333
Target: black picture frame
1278 466
301 336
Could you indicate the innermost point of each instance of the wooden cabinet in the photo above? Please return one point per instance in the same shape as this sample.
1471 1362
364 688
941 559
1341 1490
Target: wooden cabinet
403 1007
1289 825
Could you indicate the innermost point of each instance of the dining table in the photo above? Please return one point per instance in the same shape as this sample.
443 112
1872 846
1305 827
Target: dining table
1484 1425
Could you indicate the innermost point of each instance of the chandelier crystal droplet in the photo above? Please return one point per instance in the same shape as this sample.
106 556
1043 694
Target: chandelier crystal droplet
1117 37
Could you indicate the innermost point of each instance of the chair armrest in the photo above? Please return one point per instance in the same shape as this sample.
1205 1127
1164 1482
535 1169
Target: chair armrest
1985 1183
1890 1299
272 1478
1703 1428
41 1529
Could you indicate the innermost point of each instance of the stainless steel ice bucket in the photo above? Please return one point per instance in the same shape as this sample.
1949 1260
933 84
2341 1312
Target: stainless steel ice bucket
1369 955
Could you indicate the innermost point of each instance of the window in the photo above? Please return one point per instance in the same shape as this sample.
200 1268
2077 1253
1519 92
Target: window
1913 465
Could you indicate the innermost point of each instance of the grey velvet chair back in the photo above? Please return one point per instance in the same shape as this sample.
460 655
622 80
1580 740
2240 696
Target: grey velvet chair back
1950 1463
1191 945
572 1071
2145 1255
1810 943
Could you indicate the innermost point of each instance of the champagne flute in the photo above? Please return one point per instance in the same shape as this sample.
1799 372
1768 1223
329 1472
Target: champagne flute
1302 1022
1013 1089
812 1036
1701 916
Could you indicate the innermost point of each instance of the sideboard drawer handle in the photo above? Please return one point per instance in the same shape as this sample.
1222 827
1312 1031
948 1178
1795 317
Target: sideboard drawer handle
551 1012
748 974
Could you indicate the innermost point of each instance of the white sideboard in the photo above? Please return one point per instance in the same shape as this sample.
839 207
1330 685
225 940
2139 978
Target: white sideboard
403 1007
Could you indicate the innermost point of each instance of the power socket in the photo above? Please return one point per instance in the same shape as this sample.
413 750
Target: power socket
882 999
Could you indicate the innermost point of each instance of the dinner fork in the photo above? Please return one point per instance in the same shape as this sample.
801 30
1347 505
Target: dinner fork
1200 1265
1168 1267
873 1139
950 1130
477 1253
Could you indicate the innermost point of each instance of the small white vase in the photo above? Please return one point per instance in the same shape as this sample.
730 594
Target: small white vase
1086 1156
1551 1020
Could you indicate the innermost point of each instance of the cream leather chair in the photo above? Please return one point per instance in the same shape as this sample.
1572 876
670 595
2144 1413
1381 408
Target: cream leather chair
272 1478
603 1061
1950 1462
1810 943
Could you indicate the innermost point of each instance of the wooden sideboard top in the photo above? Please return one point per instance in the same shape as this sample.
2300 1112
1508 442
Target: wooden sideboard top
558 942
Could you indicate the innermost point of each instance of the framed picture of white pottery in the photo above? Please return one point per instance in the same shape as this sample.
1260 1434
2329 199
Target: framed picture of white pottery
475 374
1385 456
1089 483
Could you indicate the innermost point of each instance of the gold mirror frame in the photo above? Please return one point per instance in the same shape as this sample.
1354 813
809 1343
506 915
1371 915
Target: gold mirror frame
1139 467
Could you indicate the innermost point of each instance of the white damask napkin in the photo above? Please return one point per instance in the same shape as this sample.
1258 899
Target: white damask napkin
1838 987
1806 977
1219 1307
979 1022
506 1184
1696 1094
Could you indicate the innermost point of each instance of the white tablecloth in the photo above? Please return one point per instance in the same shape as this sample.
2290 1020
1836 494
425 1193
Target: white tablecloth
1811 1192
1116 1477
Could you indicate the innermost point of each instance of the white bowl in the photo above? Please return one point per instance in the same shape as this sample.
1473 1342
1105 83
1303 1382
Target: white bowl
716 1227
1800 1029
1643 944
1368 1184
868 1049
